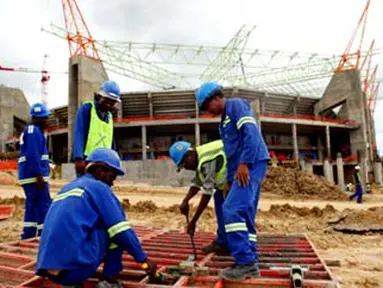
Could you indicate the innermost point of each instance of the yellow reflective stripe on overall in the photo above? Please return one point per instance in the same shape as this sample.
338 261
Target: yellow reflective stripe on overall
77 192
253 237
118 228
24 159
244 120
113 246
30 224
226 121
32 180
100 133
235 227
40 227
209 152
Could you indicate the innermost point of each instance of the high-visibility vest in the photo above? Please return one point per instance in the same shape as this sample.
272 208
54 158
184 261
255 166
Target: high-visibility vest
100 133
210 152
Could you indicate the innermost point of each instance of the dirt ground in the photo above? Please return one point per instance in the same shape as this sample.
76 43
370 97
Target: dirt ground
361 256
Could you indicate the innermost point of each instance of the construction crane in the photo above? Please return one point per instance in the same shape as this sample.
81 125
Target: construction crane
28 70
77 33
349 59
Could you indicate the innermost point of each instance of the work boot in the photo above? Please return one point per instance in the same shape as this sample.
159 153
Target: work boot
106 284
213 247
241 272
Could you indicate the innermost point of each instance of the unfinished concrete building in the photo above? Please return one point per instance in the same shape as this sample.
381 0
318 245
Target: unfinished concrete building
299 129
14 111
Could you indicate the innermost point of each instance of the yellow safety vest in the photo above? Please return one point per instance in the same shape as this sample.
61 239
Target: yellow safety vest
209 152
100 133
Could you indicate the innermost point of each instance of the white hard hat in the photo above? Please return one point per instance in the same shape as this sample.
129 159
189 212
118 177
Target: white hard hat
357 167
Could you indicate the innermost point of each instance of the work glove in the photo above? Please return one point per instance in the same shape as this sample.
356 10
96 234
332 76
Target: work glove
184 208
80 166
40 182
149 267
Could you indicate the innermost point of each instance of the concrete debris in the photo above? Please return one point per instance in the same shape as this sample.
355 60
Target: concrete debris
295 184
360 222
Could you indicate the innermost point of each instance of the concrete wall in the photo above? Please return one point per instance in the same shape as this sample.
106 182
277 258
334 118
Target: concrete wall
345 87
85 78
12 103
335 94
149 171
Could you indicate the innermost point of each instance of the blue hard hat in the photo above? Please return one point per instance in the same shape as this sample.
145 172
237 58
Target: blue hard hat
107 156
111 90
39 110
205 91
178 150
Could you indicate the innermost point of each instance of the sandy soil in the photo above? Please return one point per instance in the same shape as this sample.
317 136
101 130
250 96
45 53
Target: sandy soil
361 256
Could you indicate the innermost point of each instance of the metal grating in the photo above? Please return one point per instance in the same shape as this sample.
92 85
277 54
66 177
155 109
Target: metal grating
277 252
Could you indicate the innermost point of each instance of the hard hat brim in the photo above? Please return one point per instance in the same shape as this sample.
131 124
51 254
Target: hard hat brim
114 98
118 170
46 114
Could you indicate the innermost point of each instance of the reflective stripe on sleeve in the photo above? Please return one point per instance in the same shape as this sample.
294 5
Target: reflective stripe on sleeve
244 120
118 228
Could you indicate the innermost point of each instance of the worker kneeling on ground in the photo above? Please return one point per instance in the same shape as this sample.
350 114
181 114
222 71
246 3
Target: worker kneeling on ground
94 124
209 162
33 170
247 157
86 226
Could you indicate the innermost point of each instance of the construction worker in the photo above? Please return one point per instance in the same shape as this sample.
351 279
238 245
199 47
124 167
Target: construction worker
94 124
358 186
33 171
209 163
86 226
247 158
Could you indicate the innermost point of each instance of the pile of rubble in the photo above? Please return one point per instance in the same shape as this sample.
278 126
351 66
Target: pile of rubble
295 184
359 221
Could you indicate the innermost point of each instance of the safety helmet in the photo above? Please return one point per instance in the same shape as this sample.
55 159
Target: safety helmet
111 90
357 167
205 91
107 156
39 110
178 150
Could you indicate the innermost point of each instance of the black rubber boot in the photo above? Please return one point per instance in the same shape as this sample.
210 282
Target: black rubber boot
241 272
213 247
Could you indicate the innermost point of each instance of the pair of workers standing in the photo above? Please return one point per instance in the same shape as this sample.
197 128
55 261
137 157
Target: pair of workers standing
233 170
87 222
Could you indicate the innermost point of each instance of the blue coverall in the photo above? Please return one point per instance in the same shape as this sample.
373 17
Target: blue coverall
358 189
84 227
81 129
34 161
243 143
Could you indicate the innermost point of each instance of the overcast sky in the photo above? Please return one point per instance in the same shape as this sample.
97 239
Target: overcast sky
294 25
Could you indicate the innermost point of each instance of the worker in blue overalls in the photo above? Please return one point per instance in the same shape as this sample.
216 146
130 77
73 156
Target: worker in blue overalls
33 171
209 163
247 157
94 124
358 186
86 226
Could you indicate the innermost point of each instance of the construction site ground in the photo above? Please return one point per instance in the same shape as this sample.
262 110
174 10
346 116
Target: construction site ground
360 255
